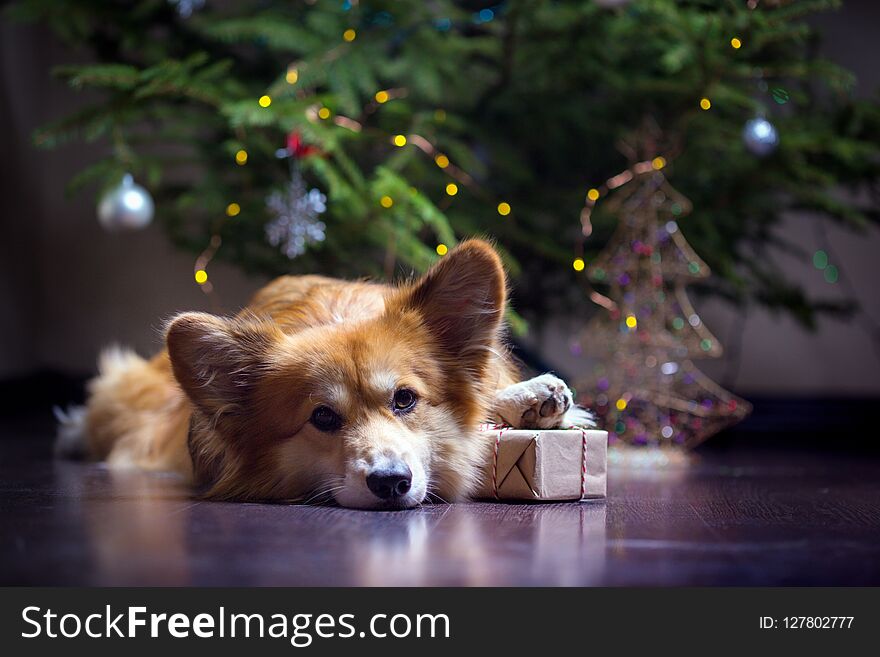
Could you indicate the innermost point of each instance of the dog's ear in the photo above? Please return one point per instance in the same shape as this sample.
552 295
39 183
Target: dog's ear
215 360
462 297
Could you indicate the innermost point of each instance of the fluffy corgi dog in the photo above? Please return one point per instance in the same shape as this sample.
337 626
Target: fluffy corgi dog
324 390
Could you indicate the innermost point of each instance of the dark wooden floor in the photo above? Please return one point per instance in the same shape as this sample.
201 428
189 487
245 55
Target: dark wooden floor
732 518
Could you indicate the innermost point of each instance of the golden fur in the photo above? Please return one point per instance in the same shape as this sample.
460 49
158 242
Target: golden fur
228 403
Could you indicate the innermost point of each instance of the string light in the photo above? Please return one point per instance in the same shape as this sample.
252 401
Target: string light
440 115
620 404
386 201
241 157
658 163
399 140
593 195
705 103
780 95
578 264
382 97
831 274
736 43
265 101
442 249
349 35
441 160
452 189
233 209
820 259
504 209
631 321
292 76
201 277
324 113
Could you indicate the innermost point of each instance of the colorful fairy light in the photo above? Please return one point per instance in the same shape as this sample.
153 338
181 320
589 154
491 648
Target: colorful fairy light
265 101
349 35
324 113
399 140
233 209
593 194
578 264
705 103
442 249
241 157
658 163
504 209
441 160
735 43
381 97
452 189
292 76
201 276
386 201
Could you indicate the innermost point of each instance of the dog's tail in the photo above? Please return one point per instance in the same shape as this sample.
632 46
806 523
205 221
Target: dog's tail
70 438
116 366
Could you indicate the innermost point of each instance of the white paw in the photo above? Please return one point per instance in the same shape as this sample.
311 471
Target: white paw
544 402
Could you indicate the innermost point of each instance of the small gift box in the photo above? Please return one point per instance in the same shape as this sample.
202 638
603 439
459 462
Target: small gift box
544 464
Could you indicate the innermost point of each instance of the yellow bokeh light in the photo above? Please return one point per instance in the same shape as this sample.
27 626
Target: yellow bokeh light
441 160
631 321
233 209
452 189
201 277
292 76
349 35
705 103
658 163
620 404
442 249
241 157
440 115
386 201
736 43
265 101
324 113
504 209
382 96
593 194
578 264
399 140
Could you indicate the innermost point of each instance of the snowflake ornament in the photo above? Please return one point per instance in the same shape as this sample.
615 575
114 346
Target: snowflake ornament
296 224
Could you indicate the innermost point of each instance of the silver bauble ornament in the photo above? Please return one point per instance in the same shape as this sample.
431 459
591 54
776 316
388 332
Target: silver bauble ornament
128 206
760 136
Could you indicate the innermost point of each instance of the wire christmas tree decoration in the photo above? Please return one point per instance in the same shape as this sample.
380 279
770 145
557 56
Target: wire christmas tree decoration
644 384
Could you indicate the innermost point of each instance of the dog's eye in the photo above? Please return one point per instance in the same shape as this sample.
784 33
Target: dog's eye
404 400
325 419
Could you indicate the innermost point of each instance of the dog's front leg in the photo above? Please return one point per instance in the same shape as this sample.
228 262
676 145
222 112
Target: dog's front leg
544 402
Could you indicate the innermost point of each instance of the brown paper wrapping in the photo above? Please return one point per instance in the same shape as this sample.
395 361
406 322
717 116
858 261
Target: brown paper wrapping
544 464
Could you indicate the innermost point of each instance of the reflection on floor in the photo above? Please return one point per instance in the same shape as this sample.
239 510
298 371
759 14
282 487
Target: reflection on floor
754 518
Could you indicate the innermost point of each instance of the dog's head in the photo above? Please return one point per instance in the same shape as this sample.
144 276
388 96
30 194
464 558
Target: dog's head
378 413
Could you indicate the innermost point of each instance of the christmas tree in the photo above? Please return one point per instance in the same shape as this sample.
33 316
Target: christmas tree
365 138
643 383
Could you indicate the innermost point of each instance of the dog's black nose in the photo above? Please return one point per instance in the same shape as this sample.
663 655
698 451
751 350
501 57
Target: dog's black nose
394 482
